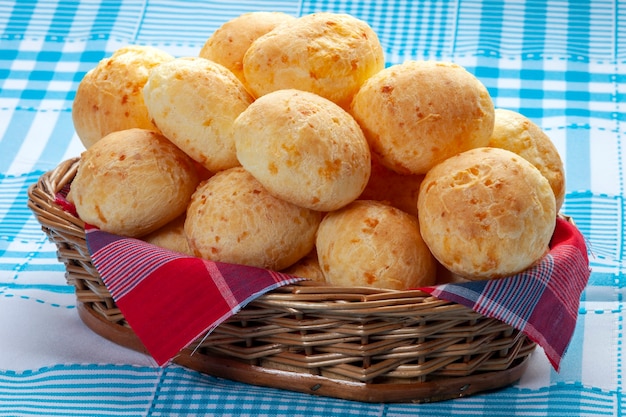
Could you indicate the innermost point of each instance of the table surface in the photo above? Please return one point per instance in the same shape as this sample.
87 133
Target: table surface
560 63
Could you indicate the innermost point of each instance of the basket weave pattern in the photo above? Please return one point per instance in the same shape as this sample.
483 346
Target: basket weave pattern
366 336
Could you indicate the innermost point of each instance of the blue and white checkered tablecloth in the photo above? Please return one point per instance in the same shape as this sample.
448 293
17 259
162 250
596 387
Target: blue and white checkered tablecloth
561 63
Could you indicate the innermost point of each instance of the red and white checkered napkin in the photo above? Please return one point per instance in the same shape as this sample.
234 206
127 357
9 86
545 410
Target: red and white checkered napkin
170 299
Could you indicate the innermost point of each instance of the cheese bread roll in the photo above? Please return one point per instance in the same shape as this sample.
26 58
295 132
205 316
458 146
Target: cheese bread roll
304 149
516 133
232 218
109 97
228 44
398 190
171 236
486 213
329 54
372 244
419 113
194 102
132 182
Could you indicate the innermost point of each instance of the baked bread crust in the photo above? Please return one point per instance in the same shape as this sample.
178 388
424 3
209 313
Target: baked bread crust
304 149
230 42
516 133
109 97
132 182
330 54
232 218
194 102
419 113
486 213
372 244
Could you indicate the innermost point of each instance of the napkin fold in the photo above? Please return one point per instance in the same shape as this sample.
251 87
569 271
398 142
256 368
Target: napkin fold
542 301
170 299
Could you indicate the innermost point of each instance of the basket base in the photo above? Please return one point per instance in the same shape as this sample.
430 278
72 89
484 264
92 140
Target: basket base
220 366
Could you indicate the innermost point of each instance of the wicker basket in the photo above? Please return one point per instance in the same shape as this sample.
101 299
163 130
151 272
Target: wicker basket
352 343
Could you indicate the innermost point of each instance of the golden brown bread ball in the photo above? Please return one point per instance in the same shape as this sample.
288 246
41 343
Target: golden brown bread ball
486 213
132 182
418 113
109 97
516 133
232 218
171 236
304 149
399 190
228 44
372 244
307 267
194 102
329 54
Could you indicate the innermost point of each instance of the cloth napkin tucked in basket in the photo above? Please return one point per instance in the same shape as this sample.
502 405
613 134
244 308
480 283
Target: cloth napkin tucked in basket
170 299
542 301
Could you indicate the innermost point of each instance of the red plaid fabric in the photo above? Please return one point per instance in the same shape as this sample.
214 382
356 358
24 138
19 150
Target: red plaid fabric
170 299
542 301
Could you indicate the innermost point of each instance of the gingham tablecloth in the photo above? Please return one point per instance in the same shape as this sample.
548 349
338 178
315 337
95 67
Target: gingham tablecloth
560 63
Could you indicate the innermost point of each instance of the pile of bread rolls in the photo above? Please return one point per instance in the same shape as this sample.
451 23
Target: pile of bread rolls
287 144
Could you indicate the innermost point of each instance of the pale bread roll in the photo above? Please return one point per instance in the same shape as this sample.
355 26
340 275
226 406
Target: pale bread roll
232 218
194 102
516 133
171 236
372 244
229 43
132 182
419 113
399 190
304 149
307 267
330 54
486 213
109 96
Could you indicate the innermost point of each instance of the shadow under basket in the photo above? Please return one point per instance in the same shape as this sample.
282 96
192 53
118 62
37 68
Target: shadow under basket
359 344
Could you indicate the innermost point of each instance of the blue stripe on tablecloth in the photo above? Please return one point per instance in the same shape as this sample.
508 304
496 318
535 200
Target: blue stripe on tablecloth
62 289
16 219
71 19
520 28
599 218
22 130
194 24
507 29
112 390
